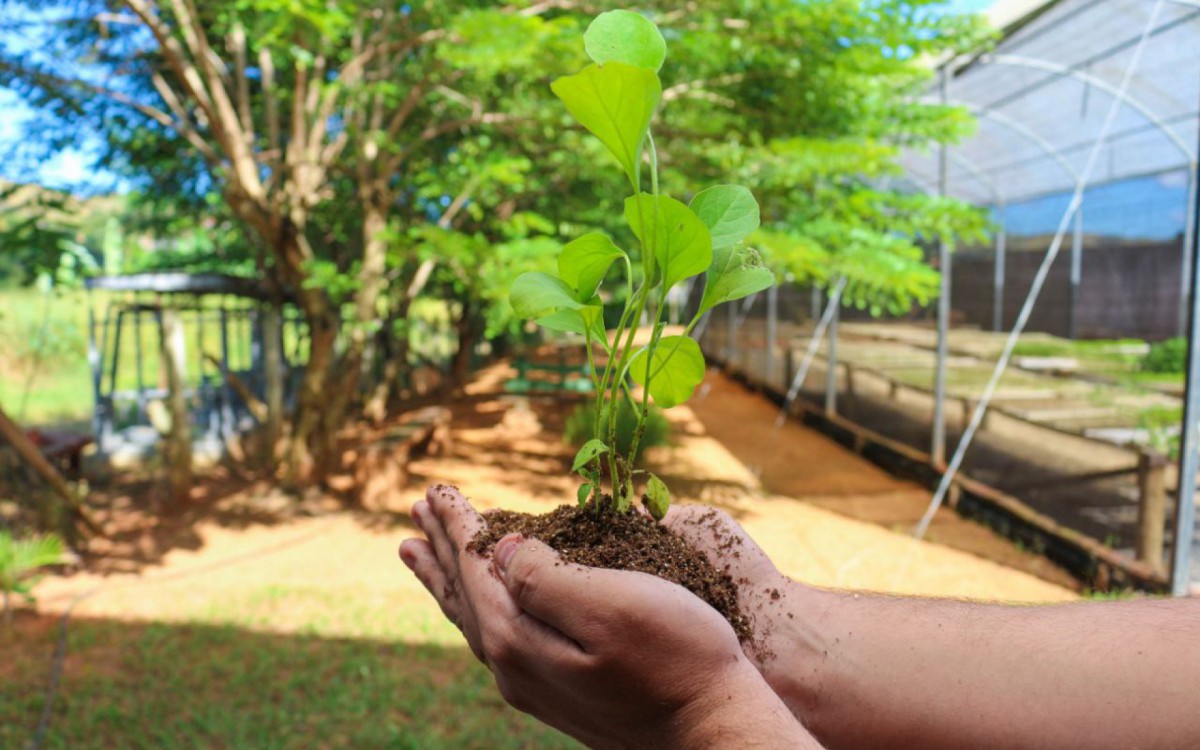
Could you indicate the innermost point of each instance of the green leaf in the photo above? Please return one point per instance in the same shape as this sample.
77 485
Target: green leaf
536 294
735 273
581 321
670 233
584 492
593 320
625 36
583 263
657 498
674 371
615 102
588 453
729 211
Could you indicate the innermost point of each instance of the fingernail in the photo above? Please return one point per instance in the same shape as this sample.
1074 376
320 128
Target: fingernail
505 549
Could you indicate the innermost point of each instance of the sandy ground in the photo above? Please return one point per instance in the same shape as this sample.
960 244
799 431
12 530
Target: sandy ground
507 452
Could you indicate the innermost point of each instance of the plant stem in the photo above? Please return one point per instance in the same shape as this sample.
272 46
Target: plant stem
655 331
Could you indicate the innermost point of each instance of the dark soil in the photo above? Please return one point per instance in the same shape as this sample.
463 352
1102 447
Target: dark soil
621 541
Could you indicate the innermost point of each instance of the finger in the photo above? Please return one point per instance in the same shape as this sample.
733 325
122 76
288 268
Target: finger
419 556
585 603
428 522
458 519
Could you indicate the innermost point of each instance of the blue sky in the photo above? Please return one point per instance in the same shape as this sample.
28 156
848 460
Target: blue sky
1153 207
73 167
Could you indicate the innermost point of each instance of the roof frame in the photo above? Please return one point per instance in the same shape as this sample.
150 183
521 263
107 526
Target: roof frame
1133 103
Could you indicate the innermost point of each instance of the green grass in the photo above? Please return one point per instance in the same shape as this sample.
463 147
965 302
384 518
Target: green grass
271 665
154 685
44 373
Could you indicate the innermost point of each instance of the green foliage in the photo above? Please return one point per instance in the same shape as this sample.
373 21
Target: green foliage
658 497
615 99
675 243
615 102
624 36
20 559
1161 424
670 371
736 272
585 261
730 213
584 421
1169 357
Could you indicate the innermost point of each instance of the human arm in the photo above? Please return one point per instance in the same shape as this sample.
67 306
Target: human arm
615 659
866 670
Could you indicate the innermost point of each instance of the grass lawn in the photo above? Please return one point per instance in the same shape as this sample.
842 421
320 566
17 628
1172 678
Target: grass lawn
159 685
44 374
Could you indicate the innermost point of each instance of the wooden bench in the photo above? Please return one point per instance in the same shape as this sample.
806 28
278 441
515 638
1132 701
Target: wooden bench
564 377
382 466
63 449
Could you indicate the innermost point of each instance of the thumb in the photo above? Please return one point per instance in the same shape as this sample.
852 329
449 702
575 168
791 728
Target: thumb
563 595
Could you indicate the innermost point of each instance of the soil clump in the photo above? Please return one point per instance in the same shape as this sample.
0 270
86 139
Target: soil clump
620 541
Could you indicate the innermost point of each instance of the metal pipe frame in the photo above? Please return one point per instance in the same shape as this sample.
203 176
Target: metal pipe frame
1189 440
999 270
831 363
1189 236
1076 276
772 331
938 439
1124 97
981 407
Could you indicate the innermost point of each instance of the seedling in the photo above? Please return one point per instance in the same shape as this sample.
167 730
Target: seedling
615 99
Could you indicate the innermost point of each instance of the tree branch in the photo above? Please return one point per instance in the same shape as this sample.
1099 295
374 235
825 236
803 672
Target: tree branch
237 42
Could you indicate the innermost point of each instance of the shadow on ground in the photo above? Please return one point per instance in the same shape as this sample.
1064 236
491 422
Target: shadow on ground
141 526
153 685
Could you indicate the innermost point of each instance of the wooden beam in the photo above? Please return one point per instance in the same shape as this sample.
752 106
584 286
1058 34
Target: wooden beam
28 452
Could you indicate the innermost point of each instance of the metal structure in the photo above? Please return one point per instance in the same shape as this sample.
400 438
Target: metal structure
231 327
1076 98
1131 68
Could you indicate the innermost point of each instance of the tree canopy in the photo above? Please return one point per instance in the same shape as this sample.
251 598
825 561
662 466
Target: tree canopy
364 153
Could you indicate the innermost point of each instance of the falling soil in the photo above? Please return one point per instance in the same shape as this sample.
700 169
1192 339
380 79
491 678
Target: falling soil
620 541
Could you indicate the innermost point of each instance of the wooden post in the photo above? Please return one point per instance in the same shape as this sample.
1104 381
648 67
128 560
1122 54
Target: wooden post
1152 507
789 367
30 454
273 372
177 443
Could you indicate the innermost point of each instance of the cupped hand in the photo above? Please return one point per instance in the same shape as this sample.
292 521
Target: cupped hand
613 658
781 611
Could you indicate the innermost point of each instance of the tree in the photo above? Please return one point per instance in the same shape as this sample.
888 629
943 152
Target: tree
285 108
371 151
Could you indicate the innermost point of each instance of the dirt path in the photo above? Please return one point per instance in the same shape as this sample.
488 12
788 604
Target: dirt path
339 572
800 463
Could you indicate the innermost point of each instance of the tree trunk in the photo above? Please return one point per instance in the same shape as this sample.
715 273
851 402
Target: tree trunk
468 327
275 375
308 449
177 443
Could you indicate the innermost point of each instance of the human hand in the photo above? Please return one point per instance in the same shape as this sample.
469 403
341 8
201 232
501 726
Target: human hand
782 612
615 659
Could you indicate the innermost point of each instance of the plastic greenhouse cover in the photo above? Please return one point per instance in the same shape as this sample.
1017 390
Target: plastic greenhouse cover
1042 93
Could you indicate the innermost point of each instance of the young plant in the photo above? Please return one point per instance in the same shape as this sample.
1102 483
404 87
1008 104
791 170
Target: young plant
615 99
20 559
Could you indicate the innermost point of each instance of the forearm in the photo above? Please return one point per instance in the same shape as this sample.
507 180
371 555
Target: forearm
743 713
871 671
